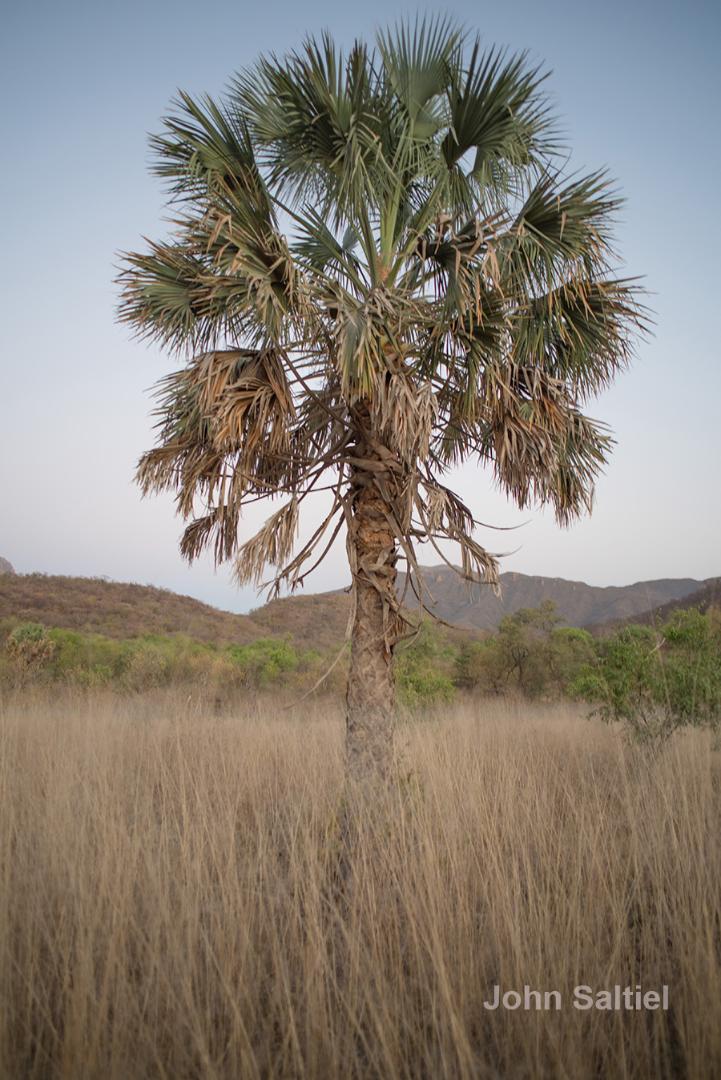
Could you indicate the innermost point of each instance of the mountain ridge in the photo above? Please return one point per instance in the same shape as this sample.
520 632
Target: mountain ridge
578 604
121 609
709 595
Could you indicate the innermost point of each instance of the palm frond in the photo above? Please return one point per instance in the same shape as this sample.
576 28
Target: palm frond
271 545
416 64
496 112
204 145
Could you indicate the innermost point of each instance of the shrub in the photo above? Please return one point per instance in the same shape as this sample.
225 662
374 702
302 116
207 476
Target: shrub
147 666
523 642
265 661
655 681
85 659
480 667
569 651
423 668
30 650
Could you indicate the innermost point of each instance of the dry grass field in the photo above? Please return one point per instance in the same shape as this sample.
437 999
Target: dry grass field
171 905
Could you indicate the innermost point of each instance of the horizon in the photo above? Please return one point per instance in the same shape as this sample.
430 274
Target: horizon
262 601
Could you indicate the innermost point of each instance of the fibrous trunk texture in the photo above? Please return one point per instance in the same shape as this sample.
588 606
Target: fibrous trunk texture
371 689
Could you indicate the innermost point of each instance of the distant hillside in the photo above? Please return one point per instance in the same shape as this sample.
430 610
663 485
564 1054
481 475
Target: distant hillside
318 620
6 567
117 609
325 615
579 604
709 595
315 620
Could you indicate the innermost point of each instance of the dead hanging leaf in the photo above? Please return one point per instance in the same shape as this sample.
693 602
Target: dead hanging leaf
272 545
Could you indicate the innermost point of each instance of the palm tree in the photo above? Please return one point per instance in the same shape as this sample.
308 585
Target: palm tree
378 268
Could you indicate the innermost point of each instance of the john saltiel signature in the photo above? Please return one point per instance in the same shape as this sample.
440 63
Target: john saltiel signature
612 998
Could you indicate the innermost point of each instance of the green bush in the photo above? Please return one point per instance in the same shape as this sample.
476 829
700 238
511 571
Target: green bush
568 652
423 668
85 659
523 641
655 681
265 661
480 667
143 663
652 681
147 665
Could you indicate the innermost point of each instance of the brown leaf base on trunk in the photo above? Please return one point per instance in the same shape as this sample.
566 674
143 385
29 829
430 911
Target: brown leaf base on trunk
370 716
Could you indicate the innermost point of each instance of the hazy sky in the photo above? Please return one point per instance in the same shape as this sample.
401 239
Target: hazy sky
637 87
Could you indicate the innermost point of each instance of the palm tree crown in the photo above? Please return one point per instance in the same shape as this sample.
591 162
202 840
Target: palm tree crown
378 268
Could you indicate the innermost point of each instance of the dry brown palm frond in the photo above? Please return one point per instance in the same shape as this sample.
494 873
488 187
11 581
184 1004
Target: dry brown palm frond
271 545
220 521
403 413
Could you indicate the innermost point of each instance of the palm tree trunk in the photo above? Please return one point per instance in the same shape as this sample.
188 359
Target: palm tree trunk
371 690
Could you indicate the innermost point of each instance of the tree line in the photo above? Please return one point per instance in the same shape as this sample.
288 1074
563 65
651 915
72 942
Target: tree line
650 679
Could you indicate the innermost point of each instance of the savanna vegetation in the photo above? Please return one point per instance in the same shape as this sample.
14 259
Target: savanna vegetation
171 905
649 679
35 655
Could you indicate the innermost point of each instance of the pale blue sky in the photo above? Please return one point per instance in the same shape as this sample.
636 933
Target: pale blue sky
637 87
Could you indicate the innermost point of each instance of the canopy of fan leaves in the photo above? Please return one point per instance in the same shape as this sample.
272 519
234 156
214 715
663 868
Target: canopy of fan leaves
378 268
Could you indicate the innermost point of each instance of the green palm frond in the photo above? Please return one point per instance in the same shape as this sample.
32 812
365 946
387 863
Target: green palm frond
496 111
168 296
416 65
203 146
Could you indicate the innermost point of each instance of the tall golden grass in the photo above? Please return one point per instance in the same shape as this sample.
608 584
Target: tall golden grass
171 905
